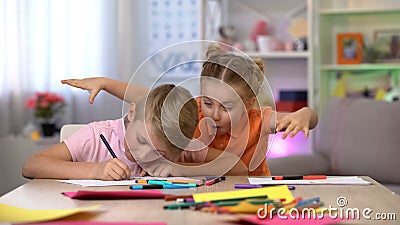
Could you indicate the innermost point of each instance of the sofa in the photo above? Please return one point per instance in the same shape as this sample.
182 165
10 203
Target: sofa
354 136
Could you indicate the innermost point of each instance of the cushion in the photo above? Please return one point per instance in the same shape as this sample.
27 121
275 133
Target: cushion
362 138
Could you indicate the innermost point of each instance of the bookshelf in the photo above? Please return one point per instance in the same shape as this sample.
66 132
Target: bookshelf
285 70
348 16
280 55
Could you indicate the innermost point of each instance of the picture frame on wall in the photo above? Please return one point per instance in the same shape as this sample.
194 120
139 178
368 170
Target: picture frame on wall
388 44
349 48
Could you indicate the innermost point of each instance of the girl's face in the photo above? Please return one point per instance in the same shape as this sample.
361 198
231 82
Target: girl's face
221 103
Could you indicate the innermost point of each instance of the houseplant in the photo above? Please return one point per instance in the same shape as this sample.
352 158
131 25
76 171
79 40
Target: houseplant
46 107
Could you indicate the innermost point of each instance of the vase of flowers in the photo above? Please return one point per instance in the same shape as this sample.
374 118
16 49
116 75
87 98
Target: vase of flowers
46 107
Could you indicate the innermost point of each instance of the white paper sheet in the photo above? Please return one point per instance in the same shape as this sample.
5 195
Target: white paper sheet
352 180
103 183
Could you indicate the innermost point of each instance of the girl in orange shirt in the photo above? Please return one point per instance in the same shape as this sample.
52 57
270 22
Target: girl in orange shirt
229 88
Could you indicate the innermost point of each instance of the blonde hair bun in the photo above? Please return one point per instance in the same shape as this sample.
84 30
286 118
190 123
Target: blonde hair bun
260 64
214 49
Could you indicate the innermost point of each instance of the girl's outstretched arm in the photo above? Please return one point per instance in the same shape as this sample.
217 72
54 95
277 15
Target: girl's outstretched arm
117 88
303 119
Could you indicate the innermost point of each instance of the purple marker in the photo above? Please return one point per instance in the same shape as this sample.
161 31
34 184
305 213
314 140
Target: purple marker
246 186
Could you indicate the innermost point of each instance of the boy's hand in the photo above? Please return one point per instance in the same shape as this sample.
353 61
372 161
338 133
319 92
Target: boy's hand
113 169
143 173
295 122
158 168
92 85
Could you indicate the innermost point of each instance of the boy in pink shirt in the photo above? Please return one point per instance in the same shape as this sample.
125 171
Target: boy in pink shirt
85 145
138 140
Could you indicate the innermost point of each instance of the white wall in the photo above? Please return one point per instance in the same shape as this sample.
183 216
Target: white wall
286 74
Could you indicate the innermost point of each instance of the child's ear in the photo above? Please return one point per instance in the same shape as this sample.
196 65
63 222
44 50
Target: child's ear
132 112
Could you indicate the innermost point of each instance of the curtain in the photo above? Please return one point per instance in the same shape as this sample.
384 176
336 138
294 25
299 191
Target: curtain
44 41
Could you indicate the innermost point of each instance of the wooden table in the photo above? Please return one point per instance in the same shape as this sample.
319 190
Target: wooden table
45 194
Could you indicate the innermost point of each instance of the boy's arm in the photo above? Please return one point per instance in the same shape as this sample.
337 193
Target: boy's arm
117 88
303 119
217 162
56 162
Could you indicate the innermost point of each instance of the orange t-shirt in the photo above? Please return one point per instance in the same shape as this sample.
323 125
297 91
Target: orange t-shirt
255 130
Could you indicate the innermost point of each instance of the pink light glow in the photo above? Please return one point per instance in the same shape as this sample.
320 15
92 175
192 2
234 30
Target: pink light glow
281 148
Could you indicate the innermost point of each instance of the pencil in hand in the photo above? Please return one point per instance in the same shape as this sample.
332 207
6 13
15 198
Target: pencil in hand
108 146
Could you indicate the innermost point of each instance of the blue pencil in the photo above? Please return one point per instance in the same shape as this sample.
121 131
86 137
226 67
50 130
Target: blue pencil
108 146
159 186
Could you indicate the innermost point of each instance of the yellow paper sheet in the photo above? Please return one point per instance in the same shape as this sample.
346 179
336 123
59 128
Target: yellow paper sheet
12 214
273 192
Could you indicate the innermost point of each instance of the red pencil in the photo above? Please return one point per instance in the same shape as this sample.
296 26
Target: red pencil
213 181
306 177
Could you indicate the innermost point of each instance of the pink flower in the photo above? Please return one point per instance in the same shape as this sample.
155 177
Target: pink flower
53 98
31 103
46 105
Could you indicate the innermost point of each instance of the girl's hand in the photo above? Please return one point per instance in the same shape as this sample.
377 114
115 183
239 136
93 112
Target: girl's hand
113 169
295 122
92 85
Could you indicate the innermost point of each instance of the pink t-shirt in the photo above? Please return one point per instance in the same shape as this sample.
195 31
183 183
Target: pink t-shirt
85 145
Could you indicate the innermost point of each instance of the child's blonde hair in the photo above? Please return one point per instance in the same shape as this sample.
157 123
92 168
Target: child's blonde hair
172 111
240 72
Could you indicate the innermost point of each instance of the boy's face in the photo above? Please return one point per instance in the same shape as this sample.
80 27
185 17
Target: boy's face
143 143
221 103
